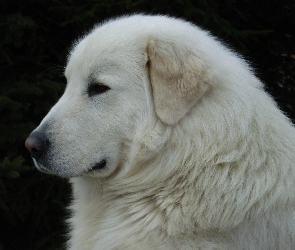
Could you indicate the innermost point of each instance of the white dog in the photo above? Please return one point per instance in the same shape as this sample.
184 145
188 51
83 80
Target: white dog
170 142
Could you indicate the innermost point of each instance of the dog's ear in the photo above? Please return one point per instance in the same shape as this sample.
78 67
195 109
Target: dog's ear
179 77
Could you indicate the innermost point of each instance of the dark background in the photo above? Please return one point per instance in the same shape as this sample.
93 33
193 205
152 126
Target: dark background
35 37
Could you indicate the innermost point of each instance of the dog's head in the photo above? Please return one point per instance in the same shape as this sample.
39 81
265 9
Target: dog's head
126 75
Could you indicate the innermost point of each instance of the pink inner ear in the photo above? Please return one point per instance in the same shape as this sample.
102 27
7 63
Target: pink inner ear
178 78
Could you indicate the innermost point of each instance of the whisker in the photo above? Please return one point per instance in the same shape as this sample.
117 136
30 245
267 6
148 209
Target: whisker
53 68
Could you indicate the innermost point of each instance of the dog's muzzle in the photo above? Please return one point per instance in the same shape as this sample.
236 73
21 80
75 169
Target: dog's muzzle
38 145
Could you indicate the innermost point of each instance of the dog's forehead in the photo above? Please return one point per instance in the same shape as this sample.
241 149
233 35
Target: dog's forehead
103 47
87 55
122 40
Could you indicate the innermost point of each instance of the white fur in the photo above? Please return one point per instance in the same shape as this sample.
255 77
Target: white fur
199 156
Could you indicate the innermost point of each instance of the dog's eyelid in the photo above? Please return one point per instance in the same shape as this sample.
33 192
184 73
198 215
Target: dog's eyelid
96 88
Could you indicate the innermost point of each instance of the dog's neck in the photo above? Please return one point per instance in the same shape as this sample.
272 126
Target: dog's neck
183 196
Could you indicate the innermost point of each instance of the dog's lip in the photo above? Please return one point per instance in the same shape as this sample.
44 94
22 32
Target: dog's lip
43 169
98 166
40 167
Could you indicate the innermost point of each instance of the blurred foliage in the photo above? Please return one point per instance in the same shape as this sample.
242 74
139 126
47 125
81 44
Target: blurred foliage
35 37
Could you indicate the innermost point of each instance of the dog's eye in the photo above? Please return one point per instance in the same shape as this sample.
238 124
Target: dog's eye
96 89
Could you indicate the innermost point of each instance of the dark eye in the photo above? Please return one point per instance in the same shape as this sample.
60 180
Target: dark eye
96 89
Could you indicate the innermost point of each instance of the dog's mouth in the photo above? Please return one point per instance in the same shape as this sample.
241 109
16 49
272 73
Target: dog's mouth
41 167
98 166
48 170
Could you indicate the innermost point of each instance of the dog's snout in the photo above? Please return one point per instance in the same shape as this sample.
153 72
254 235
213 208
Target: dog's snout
36 143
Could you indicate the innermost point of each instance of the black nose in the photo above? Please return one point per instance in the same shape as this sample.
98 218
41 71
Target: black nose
36 143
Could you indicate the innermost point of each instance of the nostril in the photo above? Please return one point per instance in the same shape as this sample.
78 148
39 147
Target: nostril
36 143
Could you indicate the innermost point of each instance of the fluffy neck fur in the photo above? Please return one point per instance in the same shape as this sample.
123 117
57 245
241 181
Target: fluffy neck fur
210 184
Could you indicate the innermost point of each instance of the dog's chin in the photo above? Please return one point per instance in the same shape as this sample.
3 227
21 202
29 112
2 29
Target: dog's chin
95 170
